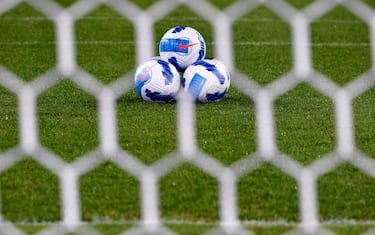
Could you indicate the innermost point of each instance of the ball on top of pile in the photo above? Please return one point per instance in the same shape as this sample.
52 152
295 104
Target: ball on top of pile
182 46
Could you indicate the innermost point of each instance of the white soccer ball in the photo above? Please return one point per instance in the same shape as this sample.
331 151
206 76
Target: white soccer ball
182 46
206 80
157 80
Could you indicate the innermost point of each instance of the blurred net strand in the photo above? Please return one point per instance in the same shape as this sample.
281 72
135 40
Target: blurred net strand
228 199
28 121
187 140
227 177
308 200
6 5
107 124
66 54
69 182
344 127
266 144
150 200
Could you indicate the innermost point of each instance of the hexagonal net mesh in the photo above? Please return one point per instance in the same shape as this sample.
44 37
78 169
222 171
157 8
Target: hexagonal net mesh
188 151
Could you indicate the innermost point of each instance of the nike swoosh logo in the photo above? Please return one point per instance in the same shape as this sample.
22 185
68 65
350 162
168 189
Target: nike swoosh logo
144 76
146 73
183 47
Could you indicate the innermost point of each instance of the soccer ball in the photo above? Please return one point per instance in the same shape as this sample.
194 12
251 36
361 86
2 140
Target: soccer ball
206 80
157 80
182 46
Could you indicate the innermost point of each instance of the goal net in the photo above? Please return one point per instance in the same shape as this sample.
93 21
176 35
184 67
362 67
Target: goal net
227 177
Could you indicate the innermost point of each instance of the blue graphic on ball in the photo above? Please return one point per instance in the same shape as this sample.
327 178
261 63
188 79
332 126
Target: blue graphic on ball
158 97
174 45
178 29
142 78
173 60
212 68
216 96
196 85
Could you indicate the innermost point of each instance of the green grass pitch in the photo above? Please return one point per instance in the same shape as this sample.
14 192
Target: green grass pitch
305 122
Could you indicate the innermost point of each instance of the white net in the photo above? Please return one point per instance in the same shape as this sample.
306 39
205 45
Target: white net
188 151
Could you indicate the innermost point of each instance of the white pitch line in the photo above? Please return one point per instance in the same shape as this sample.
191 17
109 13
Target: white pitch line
28 43
180 19
45 43
326 44
257 223
243 43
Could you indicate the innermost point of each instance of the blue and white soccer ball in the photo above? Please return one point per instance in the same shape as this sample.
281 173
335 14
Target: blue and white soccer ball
206 80
182 46
157 80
